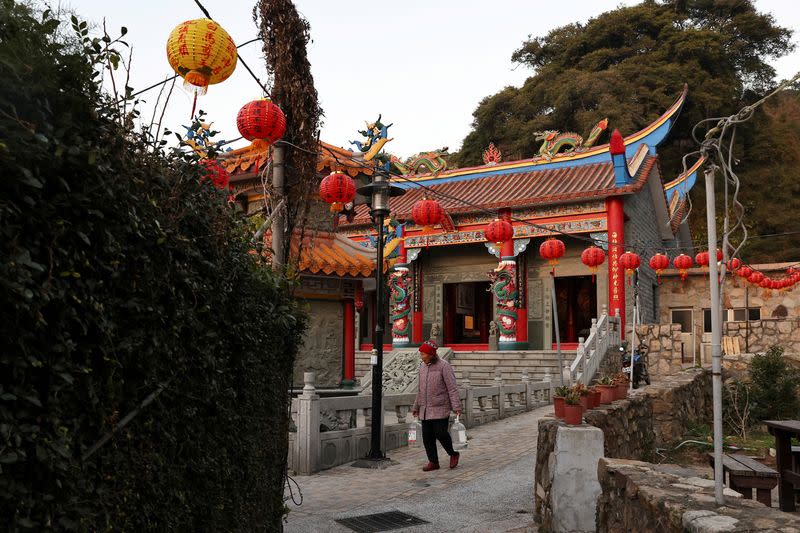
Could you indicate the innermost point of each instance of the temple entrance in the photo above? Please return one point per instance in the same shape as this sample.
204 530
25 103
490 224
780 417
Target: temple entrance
467 313
577 306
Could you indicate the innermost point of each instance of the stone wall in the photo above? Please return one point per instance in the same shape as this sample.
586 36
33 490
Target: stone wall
611 363
646 498
321 352
758 335
627 426
664 356
680 402
632 428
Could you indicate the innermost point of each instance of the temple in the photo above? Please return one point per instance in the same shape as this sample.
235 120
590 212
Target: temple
450 284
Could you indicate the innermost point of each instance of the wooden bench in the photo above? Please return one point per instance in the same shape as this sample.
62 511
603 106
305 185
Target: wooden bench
746 474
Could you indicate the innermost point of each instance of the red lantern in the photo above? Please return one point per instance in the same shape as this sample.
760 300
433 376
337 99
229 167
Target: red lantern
261 119
683 263
427 213
337 189
630 262
719 255
593 257
734 264
702 259
216 173
552 249
744 272
659 262
755 277
499 231
765 283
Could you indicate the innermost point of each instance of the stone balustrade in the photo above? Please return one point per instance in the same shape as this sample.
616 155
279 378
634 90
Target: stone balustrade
336 430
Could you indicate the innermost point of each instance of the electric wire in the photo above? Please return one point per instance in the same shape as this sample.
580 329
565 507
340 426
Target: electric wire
242 61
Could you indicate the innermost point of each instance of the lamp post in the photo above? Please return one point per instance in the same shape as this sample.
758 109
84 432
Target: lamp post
380 190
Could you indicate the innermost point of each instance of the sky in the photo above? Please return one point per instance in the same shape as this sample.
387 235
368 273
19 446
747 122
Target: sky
423 64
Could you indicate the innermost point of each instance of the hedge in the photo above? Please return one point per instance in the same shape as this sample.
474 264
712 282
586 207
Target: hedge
125 279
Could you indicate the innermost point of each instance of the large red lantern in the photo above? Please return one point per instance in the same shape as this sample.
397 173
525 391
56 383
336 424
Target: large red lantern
261 119
552 249
593 257
337 189
683 263
630 261
702 259
755 277
659 263
734 264
427 213
499 231
216 173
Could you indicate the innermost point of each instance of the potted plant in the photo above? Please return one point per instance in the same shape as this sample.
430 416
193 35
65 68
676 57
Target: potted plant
594 395
621 382
606 389
583 395
558 400
572 409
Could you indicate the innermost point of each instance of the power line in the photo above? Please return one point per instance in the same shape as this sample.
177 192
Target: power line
258 81
645 250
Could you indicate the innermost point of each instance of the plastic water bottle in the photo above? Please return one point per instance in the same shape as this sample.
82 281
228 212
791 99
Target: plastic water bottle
458 433
413 432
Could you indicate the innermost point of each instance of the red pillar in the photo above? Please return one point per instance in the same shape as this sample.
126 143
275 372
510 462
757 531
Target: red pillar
349 334
616 244
507 250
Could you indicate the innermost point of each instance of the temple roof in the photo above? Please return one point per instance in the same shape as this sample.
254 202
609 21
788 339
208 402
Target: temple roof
244 163
326 253
522 189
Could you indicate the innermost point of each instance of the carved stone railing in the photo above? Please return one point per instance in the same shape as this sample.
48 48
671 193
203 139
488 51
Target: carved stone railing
603 334
336 430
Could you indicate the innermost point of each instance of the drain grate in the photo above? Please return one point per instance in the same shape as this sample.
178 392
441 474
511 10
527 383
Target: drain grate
373 523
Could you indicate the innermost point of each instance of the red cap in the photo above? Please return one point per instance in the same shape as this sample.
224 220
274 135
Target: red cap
428 347
617 144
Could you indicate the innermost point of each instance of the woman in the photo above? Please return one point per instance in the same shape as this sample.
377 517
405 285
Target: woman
437 395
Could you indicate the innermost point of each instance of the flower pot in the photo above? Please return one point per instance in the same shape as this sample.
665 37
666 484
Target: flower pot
573 414
622 391
606 393
586 402
595 398
558 405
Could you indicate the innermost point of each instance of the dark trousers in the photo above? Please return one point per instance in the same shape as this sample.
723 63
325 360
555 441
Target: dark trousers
433 430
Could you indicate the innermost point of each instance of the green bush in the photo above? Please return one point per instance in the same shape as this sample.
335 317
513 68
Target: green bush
126 280
775 390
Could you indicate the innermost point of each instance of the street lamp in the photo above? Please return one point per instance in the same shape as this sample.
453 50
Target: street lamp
379 191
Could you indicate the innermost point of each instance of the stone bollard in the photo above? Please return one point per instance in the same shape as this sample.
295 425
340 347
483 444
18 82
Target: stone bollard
526 380
548 377
468 398
501 401
308 415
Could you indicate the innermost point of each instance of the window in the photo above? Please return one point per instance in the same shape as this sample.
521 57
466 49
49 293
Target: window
684 318
732 315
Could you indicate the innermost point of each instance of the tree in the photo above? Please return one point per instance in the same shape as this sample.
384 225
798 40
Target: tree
629 65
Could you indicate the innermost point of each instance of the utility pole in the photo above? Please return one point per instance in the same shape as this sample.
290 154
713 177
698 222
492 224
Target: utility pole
716 335
279 224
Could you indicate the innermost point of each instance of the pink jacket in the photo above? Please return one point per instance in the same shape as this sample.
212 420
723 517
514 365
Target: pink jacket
437 394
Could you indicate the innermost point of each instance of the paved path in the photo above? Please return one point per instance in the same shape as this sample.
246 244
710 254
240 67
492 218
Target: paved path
491 490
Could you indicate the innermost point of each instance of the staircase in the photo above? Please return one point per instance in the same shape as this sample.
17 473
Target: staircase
482 365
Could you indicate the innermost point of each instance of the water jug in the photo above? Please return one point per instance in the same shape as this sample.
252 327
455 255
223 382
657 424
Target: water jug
413 433
459 435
